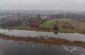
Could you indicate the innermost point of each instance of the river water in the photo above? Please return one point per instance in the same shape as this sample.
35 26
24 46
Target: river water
25 33
12 47
9 47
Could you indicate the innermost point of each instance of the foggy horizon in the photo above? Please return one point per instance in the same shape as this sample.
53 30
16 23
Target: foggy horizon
67 5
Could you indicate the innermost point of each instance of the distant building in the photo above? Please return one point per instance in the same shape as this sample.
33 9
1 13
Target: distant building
25 23
44 17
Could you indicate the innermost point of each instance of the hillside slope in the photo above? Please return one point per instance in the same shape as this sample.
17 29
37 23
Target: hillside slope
69 25
48 24
65 25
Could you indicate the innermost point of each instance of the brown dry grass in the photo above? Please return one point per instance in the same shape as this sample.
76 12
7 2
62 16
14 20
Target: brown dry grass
50 41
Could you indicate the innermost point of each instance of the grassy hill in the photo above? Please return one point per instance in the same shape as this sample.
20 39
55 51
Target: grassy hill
65 25
48 24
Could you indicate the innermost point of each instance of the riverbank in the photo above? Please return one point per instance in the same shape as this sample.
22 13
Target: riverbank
61 30
64 26
49 40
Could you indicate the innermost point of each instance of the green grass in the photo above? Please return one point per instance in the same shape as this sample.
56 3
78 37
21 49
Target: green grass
22 27
48 24
78 26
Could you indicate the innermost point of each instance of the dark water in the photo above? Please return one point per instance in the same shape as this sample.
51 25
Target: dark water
25 33
9 47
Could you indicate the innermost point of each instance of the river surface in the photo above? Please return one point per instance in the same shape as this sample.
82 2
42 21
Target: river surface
10 47
26 33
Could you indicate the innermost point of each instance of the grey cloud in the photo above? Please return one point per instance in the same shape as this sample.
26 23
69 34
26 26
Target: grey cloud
43 4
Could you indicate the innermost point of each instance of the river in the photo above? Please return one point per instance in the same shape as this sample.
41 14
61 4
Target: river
12 47
25 33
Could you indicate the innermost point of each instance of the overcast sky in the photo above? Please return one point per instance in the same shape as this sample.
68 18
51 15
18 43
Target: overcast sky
78 5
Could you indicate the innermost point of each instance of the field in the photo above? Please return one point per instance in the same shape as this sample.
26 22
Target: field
64 26
48 24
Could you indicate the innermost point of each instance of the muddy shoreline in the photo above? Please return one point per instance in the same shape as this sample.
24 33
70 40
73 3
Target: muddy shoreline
50 40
